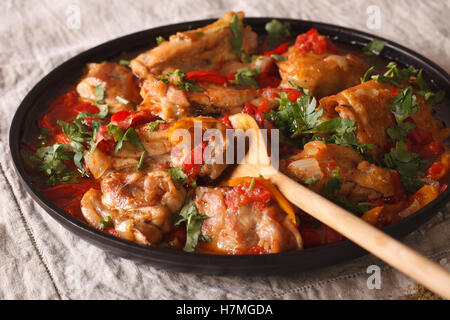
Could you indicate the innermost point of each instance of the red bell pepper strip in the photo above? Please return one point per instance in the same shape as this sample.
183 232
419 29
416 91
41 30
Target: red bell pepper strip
281 49
206 76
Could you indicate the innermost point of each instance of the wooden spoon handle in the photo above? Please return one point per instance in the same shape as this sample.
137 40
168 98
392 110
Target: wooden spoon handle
401 257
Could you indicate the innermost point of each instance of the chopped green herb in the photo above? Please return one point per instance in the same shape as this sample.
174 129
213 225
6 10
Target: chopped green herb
278 57
374 47
106 223
368 75
277 30
125 63
115 131
152 126
310 181
204 238
141 161
409 165
122 100
252 184
332 185
193 219
50 161
178 175
246 77
100 92
132 137
160 40
298 88
295 118
236 41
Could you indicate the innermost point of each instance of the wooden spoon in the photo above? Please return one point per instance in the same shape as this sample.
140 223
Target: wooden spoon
401 257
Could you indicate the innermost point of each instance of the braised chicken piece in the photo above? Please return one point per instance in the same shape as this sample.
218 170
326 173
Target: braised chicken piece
321 162
239 229
201 49
322 74
199 146
170 103
126 226
426 120
140 204
118 81
158 152
369 105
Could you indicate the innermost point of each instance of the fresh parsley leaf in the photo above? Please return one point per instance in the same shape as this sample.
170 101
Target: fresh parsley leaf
100 92
122 100
409 165
104 110
276 30
106 223
124 63
160 40
152 126
368 75
204 238
252 184
295 118
332 185
298 88
237 40
50 161
404 105
278 57
374 47
141 161
246 77
310 181
178 175
400 132
132 137
115 131
193 219
179 76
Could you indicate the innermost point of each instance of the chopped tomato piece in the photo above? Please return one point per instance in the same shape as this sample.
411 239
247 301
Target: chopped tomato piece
127 119
62 138
312 41
432 149
292 94
226 121
436 171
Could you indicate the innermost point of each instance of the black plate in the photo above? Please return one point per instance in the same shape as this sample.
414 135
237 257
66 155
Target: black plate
50 86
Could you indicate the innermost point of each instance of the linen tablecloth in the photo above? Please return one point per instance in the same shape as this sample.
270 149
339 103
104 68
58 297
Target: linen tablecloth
39 259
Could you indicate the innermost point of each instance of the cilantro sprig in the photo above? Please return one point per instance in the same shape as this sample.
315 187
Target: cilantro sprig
179 76
277 30
374 47
193 219
295 118
181 177
409 165
246 76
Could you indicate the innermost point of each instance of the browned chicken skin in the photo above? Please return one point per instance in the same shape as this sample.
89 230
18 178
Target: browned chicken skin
118 81
361 180
238 230
205 48
322 74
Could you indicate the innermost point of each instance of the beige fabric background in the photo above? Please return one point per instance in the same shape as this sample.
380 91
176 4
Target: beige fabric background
41 260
